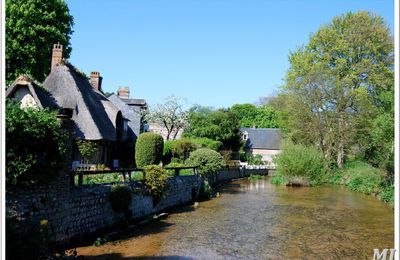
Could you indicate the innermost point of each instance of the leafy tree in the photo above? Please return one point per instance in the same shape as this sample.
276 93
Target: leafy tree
87 149
171 115
36 145
32 27
220 125
337 84
252 116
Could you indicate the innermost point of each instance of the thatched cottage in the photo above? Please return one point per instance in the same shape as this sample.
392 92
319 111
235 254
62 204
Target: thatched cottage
96 118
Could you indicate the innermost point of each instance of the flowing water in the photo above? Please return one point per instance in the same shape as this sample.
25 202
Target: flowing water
258 220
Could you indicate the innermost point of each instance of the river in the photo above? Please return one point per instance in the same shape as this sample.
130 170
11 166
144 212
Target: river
258 220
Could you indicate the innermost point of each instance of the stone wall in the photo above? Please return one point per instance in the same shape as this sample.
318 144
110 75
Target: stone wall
74 212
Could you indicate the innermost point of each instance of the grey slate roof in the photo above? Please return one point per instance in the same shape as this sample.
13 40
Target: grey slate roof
263 138
42 97
130 109
94 115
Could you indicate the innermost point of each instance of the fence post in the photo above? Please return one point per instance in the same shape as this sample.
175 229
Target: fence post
80 178
177 172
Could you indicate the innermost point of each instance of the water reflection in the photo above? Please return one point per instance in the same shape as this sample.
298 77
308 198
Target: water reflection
257 220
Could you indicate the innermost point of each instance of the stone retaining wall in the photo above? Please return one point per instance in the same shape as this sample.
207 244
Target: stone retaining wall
74 212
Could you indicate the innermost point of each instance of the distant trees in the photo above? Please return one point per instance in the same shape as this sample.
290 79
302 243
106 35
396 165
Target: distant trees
339 89
249 115
32 27
170 115
220 125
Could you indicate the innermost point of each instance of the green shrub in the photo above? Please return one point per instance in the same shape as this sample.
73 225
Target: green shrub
278 180
149 149
181 172
181 148
207 143
300 162
87 149
101 178
386 194
36 145
155 181
255 159
360 177
209 161
120 197
254 177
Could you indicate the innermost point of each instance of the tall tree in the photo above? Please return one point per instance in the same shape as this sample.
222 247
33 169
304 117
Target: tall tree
32 27
338 82
250 115
220 125
170 115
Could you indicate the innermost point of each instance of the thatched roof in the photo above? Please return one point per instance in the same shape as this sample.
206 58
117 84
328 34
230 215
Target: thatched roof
263 138
42 97
94 115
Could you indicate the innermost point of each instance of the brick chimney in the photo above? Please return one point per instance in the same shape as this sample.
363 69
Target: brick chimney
95 80
56 57
123 92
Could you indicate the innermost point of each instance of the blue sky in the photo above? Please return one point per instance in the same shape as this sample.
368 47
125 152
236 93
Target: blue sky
211 52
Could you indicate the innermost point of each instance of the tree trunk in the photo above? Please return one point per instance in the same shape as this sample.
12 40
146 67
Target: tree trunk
340 155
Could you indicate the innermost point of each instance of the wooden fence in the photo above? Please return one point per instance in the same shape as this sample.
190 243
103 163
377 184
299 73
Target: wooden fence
127 172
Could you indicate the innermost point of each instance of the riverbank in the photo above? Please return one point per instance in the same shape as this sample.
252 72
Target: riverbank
356 176
258 220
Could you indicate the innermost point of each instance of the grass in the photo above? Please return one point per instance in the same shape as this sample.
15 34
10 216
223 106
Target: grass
278 179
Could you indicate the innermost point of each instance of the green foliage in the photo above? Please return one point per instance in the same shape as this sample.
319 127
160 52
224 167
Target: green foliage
209 161
338 84
278 179
203 142
86 148
253 159
120 197
149 149
181 172
254 177
32 27
362 177
299 161
101 178
250 115
207 190
180 149
36 145
155 181
386 194
220 125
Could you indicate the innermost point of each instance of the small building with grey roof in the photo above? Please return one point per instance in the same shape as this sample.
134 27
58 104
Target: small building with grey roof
263 141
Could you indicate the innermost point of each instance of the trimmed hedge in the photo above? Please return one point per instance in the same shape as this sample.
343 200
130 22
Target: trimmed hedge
209 160
149 149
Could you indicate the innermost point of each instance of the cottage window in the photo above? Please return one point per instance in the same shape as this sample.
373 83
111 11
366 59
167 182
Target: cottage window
245 136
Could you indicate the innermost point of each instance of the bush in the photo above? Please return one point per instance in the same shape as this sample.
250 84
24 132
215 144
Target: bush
149 149
359 176
297 162
155 181
207 143
36 145
278 180
120 198
181 172
180 149
255 159
209 161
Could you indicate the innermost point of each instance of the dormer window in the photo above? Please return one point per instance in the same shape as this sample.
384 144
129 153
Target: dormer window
245 136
